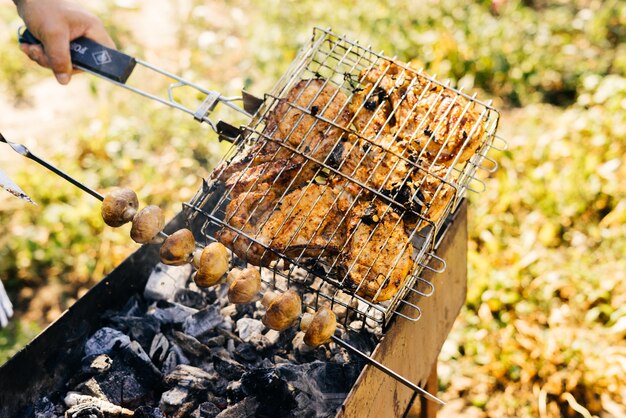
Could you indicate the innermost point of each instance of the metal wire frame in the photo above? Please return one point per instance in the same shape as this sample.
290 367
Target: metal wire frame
339 62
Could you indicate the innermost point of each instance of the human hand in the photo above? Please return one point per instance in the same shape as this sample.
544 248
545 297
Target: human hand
55 23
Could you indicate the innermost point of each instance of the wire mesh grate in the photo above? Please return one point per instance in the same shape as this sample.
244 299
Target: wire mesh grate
341 183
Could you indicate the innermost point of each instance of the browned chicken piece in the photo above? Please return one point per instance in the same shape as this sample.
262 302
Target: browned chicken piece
268 169
278 174
436 192
246 213
371 106
289 126
287 123
429 118
382 168
260 153
378 258
440 124
307 223
371 110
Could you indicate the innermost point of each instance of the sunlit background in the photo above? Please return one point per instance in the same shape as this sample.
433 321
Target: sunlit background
543 332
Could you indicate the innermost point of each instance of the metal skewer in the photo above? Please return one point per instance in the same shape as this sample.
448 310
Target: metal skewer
388 371
22 150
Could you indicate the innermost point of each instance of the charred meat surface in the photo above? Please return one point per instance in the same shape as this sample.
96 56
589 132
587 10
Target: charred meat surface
377 259
308 223
289 126
246 213
440 124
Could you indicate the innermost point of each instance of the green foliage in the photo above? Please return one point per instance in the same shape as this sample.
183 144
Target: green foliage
16 335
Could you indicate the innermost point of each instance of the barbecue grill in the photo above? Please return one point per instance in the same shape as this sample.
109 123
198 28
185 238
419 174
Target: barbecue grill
338 61
322 276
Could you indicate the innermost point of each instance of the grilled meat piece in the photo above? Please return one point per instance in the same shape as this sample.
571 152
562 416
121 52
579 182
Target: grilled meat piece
268 169
307 223
438 123
289 126
287 123
377 260
246 213
371 110
371 106
381 167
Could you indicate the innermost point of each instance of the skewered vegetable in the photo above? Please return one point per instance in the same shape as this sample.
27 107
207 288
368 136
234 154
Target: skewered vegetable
318 328
211 262
147 224
282 310
178 248
245 285
119 207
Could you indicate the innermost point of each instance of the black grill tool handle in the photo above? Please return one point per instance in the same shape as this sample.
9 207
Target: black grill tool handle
92 56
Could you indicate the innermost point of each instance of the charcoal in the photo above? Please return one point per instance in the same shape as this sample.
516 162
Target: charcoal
228 311
220 387
44 408
139 328
190 377
129 382
170 313
303 352
148 412
190 345
92 388
104 341
177 402
165 281
247 327
272 336
82 406
271 391
220 402
227 368
191 299
217 341
334 377
135 357
260 342
203 322
134 307
361 340
246 353
173 359
159 348
206 410
244 409
234 392
97 364
245 309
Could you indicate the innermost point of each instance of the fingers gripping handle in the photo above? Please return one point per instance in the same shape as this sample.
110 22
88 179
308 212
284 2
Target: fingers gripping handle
89 55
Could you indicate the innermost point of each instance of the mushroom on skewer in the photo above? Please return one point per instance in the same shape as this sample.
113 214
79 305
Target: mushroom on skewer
244 285
147 224
211 262
119 207
318 328
178 248
282 310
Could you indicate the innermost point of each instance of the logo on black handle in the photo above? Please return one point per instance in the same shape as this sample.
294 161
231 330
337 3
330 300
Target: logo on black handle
101 57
